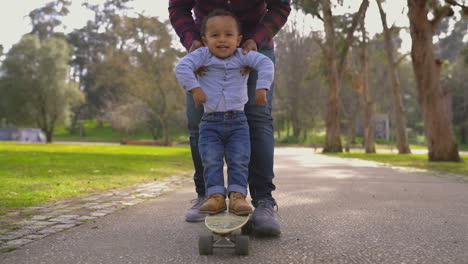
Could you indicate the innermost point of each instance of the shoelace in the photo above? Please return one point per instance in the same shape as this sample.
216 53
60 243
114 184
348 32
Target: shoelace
268 207
197 202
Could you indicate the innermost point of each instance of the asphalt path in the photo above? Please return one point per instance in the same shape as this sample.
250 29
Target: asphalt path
331 210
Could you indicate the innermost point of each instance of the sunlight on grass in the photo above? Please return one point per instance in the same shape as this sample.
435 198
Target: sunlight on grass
32 174
412 160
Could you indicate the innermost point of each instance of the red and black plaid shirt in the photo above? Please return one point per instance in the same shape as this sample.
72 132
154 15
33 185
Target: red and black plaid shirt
260 19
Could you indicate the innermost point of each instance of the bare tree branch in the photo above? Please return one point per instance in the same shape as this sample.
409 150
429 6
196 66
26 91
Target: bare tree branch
349 37
439 15
399 60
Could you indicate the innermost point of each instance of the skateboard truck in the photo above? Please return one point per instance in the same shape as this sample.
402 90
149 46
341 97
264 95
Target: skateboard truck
223 225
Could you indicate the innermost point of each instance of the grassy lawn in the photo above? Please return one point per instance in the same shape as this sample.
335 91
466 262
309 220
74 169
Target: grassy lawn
412 160
33 174
94 133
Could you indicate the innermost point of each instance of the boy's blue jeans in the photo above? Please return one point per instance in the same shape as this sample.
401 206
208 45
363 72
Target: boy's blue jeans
225 135
261 140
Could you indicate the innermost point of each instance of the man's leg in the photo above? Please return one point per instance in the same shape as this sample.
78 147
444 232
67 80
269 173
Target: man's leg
261 160
194 115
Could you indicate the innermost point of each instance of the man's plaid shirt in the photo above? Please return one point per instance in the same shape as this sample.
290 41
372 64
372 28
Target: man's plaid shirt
260 19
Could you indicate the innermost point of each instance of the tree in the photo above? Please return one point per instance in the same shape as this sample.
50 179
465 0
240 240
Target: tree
139 72
434 100
335 52
369 108
299 91
399 115
44 20
154 82
91 44
36 84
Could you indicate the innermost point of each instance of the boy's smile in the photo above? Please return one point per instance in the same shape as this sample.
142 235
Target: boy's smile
222 36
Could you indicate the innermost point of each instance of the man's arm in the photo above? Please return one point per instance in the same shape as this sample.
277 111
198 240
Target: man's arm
180 15
264 67
274 19
266 71
184 70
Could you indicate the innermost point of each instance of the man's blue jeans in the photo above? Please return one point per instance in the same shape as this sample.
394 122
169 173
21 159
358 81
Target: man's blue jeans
225 135
261 140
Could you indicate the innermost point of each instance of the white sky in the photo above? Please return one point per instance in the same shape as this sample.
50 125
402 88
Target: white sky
14 20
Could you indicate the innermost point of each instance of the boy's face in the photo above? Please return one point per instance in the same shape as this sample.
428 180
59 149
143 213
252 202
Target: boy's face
221 36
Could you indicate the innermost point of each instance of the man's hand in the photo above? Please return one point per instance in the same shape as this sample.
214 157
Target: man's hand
195 45
261 96
249 45
198 96
201 71
246 70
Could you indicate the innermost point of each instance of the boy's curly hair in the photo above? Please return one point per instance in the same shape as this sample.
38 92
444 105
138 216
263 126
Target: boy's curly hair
215 13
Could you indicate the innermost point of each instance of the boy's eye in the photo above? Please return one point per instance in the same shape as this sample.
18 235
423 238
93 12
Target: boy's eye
229 34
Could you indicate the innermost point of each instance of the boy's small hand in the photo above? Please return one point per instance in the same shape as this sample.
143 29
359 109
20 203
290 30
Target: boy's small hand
261 96
198 96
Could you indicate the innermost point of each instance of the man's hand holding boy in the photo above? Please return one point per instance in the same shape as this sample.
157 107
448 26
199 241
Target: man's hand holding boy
261 96
198 96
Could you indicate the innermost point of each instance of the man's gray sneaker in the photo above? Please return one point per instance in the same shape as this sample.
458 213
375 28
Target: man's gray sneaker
192 214
263 220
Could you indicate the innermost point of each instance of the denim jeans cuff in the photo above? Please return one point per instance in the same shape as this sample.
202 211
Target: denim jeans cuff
237 188
216 189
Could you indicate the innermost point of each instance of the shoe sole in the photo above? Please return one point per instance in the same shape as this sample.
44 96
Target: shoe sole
265 231
241 213
195 219
213 212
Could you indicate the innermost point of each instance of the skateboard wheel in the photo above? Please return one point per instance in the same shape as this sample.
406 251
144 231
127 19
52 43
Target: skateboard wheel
205 245
242 245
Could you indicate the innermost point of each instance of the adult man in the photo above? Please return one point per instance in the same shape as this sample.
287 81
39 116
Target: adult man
260 20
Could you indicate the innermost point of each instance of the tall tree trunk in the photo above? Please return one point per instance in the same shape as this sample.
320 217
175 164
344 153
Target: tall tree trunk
399 112
369 143
165 131
296 126
336 67
351 133
432 98
332 119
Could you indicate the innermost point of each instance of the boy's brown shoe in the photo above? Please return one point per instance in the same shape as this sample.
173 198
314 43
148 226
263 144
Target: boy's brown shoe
238 205
216 203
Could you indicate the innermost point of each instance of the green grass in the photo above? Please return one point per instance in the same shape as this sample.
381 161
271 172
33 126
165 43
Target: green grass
33 174
412 160
94 133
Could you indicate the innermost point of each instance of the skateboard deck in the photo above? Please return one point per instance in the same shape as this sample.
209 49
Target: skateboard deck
225 223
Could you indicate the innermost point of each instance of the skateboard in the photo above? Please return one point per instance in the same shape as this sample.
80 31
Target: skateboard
223 225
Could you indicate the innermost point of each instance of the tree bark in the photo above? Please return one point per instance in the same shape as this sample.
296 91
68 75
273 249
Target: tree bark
336 67
369 142
399 112
433 99
332 119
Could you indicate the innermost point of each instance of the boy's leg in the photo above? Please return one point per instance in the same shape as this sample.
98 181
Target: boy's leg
261 159
194 115
211 147
238 154
237 158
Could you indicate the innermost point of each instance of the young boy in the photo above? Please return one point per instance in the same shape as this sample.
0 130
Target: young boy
224 131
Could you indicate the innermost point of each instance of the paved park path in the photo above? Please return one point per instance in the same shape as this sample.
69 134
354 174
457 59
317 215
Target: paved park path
331 210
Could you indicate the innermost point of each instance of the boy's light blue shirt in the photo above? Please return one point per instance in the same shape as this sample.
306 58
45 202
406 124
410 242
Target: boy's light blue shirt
223 78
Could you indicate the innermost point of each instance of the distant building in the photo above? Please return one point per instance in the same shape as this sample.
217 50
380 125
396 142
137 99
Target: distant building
381 126
22 134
